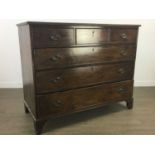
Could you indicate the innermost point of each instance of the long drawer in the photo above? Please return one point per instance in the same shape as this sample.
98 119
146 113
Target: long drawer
66 57
75 100
63 79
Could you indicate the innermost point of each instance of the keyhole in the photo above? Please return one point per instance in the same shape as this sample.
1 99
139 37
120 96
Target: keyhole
93 33
92 69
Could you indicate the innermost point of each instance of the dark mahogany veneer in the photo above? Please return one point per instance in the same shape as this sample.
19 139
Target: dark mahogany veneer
73 67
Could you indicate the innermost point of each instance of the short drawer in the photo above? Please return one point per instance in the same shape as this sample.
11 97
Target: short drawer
125 35
77 100
64 79
51 58
92 36
51 37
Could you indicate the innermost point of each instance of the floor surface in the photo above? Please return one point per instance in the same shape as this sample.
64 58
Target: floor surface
114 119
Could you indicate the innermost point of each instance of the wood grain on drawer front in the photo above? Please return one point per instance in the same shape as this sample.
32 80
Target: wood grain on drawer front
125 35
65 57
92 36
75 100
63 79
44 37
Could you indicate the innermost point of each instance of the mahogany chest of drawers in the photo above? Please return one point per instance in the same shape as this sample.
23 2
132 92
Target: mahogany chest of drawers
70 67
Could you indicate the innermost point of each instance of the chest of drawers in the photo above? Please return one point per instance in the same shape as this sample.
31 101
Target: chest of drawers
70 68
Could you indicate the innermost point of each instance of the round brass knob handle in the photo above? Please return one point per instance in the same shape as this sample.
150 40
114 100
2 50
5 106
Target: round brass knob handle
121 90
123 52
55 37
57 104
58 56
55 58
124 36
121 71
56 79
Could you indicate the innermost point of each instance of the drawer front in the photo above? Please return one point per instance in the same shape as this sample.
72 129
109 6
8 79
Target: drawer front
92 36
65 57
125 35
75 100
64 79
49 37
